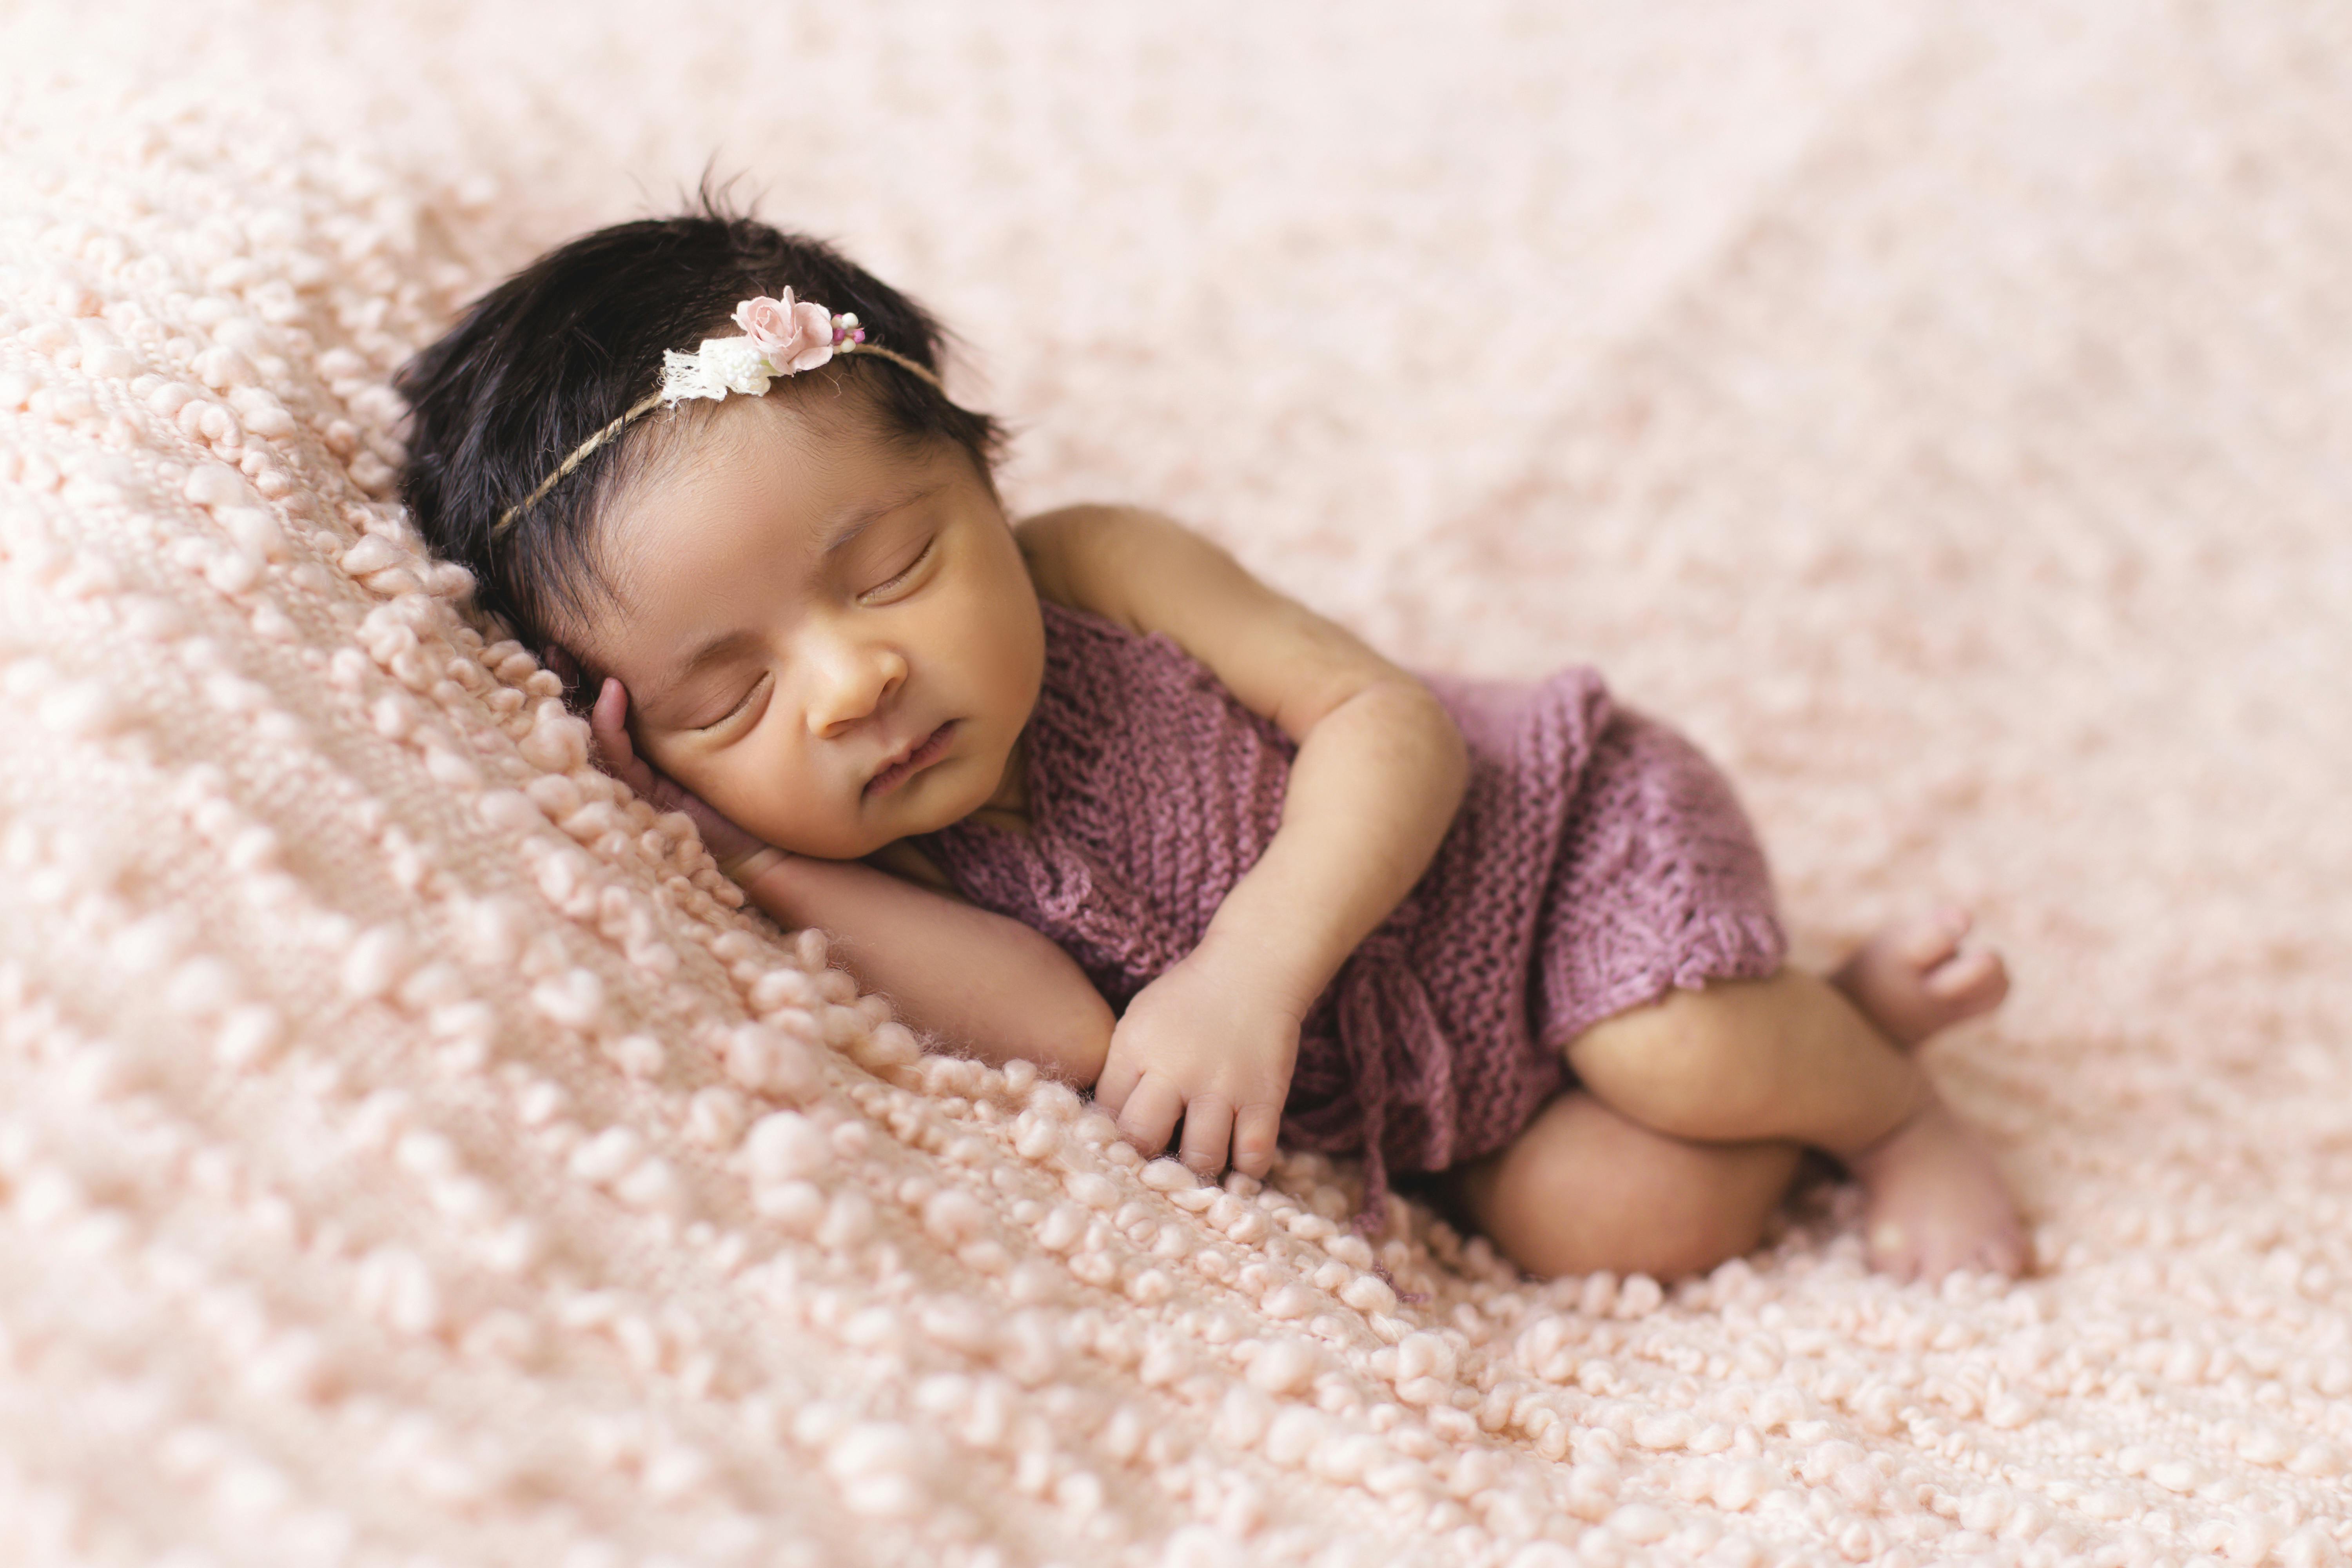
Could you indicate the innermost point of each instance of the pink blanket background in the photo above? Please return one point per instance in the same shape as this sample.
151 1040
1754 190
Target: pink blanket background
1944 417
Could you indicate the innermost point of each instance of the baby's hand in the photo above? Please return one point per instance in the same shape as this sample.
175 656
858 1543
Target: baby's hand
608 725
1209 1042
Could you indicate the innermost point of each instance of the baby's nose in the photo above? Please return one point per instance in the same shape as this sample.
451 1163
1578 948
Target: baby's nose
856 684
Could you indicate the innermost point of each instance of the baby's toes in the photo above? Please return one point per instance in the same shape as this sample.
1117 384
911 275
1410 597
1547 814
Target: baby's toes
1895 1251
2004 1256
1938 1258
1989 1247
1972 982
1931 938
1951 1251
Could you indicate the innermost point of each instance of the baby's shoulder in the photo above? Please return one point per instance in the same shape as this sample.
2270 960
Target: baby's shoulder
1130 568
1064 550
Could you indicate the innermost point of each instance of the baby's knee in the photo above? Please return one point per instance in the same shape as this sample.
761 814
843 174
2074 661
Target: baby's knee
1695 1064
1588 1189
1667 1243
1667 1228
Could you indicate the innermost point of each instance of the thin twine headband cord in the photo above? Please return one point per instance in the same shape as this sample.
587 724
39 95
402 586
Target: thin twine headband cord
698 375
579 455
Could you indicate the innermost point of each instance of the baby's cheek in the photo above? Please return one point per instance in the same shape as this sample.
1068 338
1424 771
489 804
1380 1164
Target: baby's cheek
743 796
709 779
792 815
676 765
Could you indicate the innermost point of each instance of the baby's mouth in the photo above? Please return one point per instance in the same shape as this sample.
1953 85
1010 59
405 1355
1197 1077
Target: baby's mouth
922 756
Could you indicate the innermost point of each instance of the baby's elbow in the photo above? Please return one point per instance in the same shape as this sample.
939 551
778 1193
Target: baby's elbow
1457 748
1081 1038
1438 738
1065 1037
1068 1027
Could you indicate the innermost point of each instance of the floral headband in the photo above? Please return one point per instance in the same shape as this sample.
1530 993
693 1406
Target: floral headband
780 337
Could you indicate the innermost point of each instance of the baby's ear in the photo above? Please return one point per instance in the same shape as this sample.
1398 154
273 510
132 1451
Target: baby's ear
576 695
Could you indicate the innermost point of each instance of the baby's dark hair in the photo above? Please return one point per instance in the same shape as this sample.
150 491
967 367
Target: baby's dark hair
549 357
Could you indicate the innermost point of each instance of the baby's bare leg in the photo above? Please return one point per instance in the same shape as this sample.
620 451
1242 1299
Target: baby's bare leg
1784 1058
1581 1188
1791 1058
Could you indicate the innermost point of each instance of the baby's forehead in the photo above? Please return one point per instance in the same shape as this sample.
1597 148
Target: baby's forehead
757 451
771 495
688 442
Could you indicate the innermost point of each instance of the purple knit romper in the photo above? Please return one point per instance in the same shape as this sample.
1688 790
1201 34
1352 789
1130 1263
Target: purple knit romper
1597 860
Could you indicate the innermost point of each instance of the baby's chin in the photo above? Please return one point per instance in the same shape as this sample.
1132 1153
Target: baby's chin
832 846
882 822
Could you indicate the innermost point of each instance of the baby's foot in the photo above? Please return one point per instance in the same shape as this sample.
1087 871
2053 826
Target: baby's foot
1935 1202
1912 979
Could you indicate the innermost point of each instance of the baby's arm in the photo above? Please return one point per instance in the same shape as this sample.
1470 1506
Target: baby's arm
974 979
1379 771
985 985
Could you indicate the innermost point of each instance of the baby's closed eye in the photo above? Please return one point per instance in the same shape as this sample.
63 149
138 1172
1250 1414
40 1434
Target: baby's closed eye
743 706
900 576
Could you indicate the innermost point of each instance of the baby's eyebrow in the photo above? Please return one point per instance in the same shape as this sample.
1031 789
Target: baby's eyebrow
708 652
849 525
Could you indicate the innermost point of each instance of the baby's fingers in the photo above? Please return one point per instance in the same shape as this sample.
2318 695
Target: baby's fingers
1150 1112
1208 1127
608 726
1254 1132
608 721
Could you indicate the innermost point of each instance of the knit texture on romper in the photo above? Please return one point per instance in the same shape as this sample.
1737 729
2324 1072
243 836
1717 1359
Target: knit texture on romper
1596 861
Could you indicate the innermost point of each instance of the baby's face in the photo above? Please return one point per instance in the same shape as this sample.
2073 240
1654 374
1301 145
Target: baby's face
803 605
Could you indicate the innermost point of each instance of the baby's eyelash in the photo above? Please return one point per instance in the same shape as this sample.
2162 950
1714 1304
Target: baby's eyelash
908 569
706 729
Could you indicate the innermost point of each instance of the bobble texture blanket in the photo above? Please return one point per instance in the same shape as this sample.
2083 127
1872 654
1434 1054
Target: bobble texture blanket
411 1153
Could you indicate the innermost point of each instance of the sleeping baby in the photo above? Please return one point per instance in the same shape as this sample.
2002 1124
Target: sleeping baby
1078 789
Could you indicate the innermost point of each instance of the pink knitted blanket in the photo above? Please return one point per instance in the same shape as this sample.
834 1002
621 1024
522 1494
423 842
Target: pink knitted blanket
410 1153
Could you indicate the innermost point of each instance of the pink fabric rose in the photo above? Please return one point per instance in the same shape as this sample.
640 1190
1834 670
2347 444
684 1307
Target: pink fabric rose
794 337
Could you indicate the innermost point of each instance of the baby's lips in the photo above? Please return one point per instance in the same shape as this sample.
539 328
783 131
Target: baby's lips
899 757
